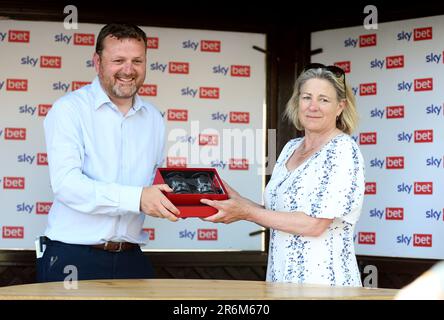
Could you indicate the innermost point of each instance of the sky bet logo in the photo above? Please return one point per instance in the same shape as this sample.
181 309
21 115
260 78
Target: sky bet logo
202 234
419 240
152 43
235 117
205 45
391 112
75 85
390 163
54 62
60 86
394 213
40 207
148 90
207 234
239 117
433 214
394 112
433 58
173 67
344 65
15 36
78 84
434 162
42 109
187 234
204 92
419 188
367 238
367 138
15 84
186 139
418 34
179 67
420 136
208 139
89 63
238 164
235 70
80 39
208 93
424 84
15 133
392 62
176 162
370 188
218 164
42 159
177 115
219 116
390 213
367 89
18 36
27 109
367 40
13 232
434 109
14 183
151 233
394 162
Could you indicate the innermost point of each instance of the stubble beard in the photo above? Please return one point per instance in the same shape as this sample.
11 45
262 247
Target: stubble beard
122 90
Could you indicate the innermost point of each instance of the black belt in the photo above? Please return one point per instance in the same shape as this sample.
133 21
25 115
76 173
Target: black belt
109 246
115 246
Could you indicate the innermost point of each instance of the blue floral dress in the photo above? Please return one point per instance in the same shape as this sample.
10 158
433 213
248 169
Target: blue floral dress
329 184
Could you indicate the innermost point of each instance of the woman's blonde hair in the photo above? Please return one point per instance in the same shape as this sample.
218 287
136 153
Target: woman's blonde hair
347 121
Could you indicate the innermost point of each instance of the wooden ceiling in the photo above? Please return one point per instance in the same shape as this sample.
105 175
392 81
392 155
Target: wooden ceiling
230 15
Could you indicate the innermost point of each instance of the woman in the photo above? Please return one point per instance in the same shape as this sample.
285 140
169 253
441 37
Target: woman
314 197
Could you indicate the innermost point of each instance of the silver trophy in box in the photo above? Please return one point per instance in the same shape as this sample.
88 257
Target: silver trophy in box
178 183
204 183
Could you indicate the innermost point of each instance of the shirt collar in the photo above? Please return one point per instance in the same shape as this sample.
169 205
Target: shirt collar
101 98
139 103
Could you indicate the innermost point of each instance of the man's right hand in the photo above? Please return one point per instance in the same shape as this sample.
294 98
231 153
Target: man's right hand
154 203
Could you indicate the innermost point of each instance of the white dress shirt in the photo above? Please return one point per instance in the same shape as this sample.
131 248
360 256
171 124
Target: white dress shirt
99 160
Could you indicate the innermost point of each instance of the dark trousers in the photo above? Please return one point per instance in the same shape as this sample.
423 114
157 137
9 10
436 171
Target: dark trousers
62 261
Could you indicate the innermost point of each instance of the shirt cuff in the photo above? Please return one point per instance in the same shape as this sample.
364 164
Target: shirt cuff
130 198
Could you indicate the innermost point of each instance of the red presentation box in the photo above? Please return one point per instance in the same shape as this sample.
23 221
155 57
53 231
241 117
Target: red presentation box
191 185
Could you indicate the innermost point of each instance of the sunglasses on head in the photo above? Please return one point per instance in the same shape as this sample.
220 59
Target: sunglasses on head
337 71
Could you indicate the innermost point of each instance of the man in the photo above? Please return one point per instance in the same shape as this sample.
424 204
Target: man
104 144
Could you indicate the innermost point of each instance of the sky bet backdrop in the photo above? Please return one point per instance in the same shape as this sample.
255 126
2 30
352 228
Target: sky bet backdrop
397 76
204 83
